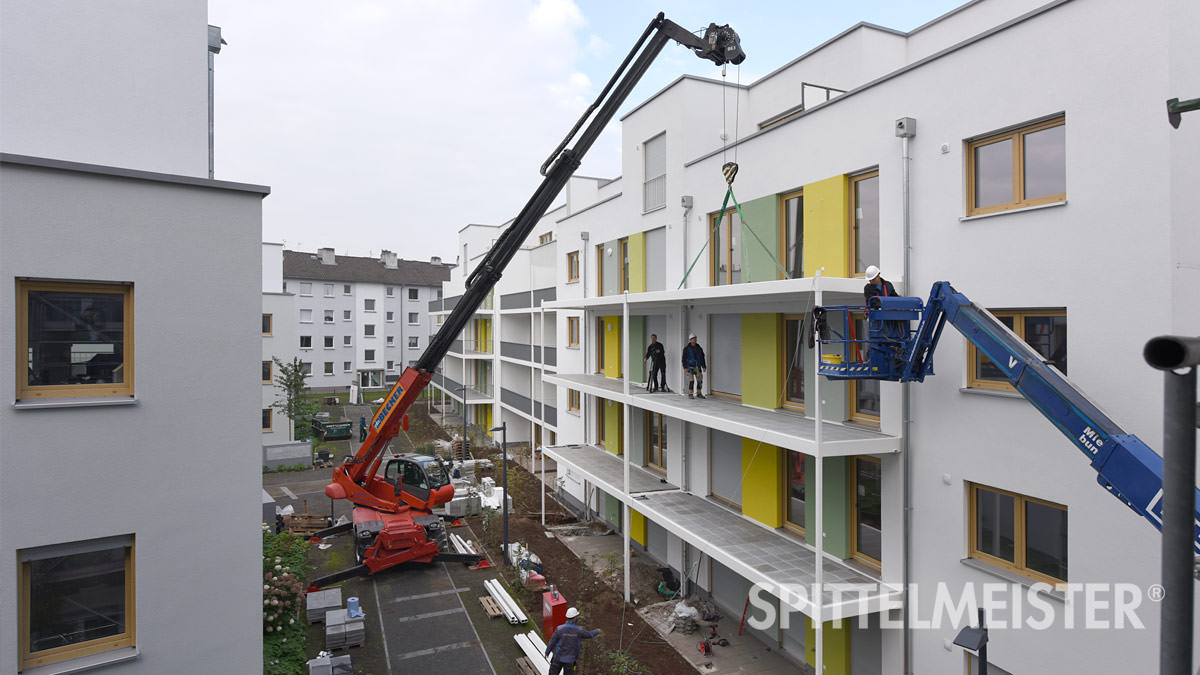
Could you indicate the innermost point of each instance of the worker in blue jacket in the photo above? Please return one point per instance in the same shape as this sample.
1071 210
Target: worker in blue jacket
567 643
694 365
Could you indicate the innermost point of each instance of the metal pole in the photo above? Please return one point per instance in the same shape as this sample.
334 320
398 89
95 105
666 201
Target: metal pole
1177 357
983 648
504 450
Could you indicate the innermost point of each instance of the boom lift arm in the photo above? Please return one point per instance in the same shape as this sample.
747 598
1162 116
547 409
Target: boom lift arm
1125 466
356 480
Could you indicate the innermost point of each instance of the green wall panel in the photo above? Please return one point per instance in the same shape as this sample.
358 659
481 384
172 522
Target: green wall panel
760 239
762 344
638 339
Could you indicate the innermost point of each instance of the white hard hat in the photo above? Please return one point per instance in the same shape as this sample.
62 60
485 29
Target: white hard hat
572 612
691 336
872 272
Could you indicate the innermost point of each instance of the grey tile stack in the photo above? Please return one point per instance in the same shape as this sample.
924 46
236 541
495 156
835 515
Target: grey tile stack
330 665
341 631
319 602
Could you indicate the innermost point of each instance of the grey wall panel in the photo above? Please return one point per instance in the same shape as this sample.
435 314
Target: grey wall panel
725 460
656 260
724 353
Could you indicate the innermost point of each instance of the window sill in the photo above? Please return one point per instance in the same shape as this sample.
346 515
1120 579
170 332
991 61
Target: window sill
653 209
1026 209
998 393
90 402
86 663
1013 577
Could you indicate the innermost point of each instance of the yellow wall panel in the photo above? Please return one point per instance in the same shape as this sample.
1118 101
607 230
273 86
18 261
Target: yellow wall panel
637 263
637 527
836 652
612 346
826 242
762 482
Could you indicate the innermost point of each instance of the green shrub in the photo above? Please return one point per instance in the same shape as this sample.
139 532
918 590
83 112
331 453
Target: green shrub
284 566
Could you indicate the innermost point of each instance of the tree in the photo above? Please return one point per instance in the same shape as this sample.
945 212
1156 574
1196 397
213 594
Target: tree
290 382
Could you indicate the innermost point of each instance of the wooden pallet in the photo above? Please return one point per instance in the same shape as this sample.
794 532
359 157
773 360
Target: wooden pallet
525 666
491 606
305 524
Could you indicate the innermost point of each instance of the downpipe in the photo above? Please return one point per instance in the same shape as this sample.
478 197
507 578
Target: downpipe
906 129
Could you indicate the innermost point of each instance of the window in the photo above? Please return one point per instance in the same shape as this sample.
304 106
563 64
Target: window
368 304
391 340
573 266
791 235
74 339
267 420
656 441
391 365
346 315
328 290
864 394
345 340
623 251
306 316
75 599
864 221
414 294
1017 169
329 316
797 491
391 316
328 342
346 366
654 187
600 270
305 342
795 355
268 371
268 324
305 288
599 344
329 367
389 290
572 331
866 496
725 256
1044 330
1019 533
413 318
306 367
413 342
369 355
573 397
369 330
545 238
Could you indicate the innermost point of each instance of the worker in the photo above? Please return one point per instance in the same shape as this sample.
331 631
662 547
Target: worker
657 356
694 365
876 286
362 428
567 643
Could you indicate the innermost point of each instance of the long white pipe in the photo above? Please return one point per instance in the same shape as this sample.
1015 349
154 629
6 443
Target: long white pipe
508 613
537 641
536 657
504 598
819 590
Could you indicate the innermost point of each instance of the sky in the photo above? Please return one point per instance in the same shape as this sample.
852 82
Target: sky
392 124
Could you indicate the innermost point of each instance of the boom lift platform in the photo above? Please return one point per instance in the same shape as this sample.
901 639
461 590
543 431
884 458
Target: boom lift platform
896 352
393 520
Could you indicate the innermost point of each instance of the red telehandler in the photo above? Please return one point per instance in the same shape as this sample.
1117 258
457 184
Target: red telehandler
393 511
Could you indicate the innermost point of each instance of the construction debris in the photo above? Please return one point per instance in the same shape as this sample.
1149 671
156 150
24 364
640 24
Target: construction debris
325 664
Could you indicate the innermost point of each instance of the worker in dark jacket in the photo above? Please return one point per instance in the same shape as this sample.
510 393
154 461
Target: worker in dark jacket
567 643
657 356
876 286
896 331
694 365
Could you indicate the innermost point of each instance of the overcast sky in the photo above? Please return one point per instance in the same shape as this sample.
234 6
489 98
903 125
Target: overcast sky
392 124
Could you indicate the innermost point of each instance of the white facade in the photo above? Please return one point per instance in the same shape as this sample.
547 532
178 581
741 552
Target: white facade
991 67
108 221
278 342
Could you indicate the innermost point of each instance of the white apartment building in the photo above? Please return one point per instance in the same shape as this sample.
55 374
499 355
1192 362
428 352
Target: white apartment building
125 337
278 342
358 320
1039 175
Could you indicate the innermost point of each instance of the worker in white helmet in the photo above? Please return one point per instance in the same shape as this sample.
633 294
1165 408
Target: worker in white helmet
567 644
876 286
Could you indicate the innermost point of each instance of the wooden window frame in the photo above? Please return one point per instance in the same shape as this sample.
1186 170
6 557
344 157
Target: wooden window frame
269 319
783 233
1017 137
785 360
24 390
573 400
29 659
1018 316
600 270
600 344
573 331
661 465
855 415
545 238
1017 566
853 519
718 236
852 226
270 372
623 261
573 266
786 487
270 418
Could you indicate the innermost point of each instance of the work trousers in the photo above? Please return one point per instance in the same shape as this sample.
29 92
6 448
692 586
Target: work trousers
564 668
658 376
695 375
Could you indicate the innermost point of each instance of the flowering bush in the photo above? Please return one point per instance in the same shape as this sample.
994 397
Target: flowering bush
285 561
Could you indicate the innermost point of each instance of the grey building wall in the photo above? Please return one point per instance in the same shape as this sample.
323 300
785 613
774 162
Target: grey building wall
186 444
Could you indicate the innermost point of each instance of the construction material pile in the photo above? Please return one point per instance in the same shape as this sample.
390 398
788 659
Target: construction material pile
319 602
685 618
342 630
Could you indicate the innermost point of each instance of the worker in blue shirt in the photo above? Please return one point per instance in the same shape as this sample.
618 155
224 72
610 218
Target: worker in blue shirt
566 644
694 365
362 428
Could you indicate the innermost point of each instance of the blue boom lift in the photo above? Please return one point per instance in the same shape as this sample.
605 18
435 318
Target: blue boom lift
896 352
